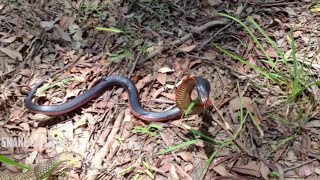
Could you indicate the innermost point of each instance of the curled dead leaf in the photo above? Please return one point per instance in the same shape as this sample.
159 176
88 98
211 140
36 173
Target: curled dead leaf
12 53
186 156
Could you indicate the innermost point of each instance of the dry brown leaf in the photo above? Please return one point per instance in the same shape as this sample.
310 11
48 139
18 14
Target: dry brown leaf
264 170
113 149
272 52
184 65
38 139
181 65
235 105
221 170
317 170
291 156
59 33
210 55
305 171
165 70
186 156
65 21
251 60
297 34
47 24
187 48
162 78
313 124
26 72
71 93
9 39
143 82
188 168
305 141
102 138
192 63
32 157
108 104
16 55
40 117
157 92
25 126
214 2
180 173
16 115
8 126
252 169
44 66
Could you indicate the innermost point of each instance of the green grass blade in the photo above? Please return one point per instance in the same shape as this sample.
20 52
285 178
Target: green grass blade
113 30
191 106
179 146
256 68
208 163
296 81
270 41
196 132
254 38
11 162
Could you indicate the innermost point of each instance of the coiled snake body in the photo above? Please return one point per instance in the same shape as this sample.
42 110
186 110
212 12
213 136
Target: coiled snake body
43 170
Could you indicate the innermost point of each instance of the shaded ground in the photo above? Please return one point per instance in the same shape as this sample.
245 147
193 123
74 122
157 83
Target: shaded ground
272 134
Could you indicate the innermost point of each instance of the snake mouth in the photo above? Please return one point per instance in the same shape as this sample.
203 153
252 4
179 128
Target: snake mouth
184 91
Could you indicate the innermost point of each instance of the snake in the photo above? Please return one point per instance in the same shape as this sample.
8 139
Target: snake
45 169
182 96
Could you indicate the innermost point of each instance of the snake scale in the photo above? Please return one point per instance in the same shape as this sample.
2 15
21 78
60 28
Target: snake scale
45 169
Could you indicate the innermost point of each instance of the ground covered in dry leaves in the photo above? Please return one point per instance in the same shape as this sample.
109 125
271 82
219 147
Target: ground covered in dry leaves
255 130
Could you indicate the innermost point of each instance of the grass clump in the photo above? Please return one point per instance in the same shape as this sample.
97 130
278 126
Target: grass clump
285 71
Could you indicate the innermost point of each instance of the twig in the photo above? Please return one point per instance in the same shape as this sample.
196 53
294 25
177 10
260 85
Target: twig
187 36
271 4
134 65
299 165
6 73
220 30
